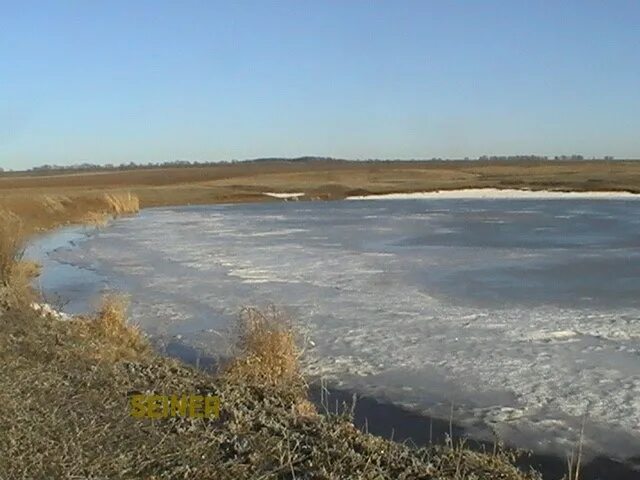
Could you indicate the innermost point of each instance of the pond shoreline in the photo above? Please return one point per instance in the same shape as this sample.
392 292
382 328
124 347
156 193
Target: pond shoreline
399 424
390 416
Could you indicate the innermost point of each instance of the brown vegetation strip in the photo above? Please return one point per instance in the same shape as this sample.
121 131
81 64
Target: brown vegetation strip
321 180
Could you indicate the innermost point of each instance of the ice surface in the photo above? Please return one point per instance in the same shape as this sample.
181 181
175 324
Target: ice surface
522 313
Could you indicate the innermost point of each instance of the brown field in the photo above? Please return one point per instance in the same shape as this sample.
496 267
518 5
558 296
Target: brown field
243 182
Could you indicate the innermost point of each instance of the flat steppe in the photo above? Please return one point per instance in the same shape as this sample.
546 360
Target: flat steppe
321 179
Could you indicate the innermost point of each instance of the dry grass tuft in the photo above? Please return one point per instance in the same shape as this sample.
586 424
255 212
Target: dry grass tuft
15 274
122 203
304 408
110 205
96 219
55 203
112 323
112 314
267 350
11 245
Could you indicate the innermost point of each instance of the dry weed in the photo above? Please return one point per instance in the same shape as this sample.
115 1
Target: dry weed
111 322
305 409
96 219
39 212
267 350
11 245
15 273
122 203
55 203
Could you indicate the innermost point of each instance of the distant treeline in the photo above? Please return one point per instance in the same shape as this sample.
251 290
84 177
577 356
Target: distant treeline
88 167
174 164
533 158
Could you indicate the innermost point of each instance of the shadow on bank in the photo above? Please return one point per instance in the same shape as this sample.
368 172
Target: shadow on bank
399 424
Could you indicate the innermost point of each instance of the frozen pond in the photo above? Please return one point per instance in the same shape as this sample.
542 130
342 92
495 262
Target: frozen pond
523 314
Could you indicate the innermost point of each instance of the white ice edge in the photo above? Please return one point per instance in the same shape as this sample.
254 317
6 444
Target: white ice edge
473 193
283 195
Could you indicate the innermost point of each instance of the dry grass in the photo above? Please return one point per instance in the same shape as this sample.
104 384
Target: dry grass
11 245
122 203
267 351
574 460
113 205
15 274
267 354
111 322
39 211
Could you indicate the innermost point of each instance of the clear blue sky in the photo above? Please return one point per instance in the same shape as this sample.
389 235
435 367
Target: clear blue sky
144 81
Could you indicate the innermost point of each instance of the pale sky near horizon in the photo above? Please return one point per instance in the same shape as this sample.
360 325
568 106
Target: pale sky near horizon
155 81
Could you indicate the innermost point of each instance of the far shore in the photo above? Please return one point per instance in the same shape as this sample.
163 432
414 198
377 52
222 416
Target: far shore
326 180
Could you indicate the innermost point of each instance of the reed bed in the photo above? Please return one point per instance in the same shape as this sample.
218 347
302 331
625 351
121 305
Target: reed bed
39 212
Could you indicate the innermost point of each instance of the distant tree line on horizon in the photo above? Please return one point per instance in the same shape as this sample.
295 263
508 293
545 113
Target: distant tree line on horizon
83 167
171 164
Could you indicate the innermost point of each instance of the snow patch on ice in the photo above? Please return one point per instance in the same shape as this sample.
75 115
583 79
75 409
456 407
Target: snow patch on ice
295 195
477 193
547 336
